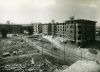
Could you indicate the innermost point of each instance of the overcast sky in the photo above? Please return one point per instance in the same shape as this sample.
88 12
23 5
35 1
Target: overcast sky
27 11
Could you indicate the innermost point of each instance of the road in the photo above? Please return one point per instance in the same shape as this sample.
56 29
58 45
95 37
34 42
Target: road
73 52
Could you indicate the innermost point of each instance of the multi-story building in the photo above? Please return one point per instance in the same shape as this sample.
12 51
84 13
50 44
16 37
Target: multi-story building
47 29
80 32
12 28
37 27
98 31
77 32
61 29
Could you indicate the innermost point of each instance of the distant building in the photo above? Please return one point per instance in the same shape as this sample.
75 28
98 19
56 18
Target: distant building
98 31
37 27
15 29
27 27
54 29
12 28
61 29
47 29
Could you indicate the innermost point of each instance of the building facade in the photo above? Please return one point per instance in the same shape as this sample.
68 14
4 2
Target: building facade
37 27
98 31
61 29
80 32
12 29
47 29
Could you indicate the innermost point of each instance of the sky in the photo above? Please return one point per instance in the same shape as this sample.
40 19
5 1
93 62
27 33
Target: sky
32 11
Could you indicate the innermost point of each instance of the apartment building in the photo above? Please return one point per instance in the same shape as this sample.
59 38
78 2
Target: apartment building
47 29
80 31
12 28
98 31
37 27
61 29
77 32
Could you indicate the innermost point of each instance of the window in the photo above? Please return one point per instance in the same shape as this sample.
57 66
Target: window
79 38
79 26
71 26
71 31
79 32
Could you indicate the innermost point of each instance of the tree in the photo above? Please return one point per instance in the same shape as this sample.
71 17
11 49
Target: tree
4 32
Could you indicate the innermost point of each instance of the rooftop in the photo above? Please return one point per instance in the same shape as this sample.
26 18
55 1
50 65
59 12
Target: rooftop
80 21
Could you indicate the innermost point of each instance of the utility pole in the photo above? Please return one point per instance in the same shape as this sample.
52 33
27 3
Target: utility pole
42 48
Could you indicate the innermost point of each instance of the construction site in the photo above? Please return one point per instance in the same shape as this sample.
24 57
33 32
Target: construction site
39 53
49 35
